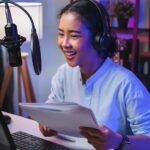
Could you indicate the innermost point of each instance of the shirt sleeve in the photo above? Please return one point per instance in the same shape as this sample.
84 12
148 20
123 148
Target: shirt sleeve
57 90
137 103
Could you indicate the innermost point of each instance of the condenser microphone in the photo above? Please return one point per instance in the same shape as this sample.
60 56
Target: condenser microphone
13 41
12 44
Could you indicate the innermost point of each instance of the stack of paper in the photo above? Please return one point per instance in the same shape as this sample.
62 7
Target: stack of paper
65 118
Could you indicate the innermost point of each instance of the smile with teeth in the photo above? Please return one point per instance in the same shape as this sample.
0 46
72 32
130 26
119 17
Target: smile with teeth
70 53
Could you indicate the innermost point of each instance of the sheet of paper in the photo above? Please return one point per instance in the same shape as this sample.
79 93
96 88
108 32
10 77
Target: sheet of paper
65 118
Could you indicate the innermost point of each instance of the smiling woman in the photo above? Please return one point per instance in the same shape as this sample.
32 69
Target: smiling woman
75 41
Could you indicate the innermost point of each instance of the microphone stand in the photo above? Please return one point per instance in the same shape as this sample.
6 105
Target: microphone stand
8 44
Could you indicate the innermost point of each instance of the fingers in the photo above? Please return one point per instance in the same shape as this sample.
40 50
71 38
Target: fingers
94 136
93 139
46 131
101 132
102 138
87 131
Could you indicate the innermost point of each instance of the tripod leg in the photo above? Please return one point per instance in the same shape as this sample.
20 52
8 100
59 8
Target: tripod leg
19 89
26 80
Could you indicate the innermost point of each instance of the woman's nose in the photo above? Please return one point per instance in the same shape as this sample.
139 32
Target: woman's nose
66 42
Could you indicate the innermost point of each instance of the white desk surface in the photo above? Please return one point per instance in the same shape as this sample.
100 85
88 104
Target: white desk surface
19 123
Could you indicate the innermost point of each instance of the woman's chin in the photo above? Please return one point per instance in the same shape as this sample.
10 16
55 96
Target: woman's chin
72 64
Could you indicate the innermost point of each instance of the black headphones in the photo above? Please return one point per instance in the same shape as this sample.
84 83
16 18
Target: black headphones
102 40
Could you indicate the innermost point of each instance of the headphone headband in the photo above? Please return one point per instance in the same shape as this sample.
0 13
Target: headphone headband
102 41
104 14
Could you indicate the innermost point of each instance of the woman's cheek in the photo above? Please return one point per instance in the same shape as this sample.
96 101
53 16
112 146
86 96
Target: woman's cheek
59 43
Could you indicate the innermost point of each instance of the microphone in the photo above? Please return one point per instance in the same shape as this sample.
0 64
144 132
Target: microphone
12 41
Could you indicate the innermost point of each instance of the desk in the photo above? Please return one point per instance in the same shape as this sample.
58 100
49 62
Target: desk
19 123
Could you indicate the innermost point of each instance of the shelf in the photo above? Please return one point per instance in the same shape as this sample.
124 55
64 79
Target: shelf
128 30
145 55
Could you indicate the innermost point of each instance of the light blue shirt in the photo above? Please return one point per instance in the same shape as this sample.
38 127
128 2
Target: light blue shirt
115 95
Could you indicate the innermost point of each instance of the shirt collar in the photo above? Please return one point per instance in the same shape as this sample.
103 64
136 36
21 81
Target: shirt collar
102 69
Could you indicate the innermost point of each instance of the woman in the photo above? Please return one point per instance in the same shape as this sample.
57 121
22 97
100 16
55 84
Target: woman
90 78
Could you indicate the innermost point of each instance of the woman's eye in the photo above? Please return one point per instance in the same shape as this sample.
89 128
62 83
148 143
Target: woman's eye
60 34
75 36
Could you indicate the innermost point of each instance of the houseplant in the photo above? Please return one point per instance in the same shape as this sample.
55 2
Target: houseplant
123 10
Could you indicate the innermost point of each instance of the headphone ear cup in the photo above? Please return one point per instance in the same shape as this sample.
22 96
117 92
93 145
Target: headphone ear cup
101 44
104 42
97 42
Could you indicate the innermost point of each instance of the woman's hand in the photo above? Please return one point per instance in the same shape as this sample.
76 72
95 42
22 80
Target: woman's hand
101 139
46 131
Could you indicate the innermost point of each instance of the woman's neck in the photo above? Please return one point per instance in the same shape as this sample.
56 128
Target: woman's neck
89 69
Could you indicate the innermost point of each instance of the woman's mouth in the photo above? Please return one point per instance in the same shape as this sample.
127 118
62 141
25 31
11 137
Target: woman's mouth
70 54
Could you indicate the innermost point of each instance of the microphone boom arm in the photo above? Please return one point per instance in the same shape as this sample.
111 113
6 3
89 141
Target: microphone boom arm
8 1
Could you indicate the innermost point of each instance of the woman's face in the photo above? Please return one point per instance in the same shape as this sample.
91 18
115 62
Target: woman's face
74 39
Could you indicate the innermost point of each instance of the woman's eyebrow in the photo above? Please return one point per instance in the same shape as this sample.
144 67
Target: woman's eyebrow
74 31
60 30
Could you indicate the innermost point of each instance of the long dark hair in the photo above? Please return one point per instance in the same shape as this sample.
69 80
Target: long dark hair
92 18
